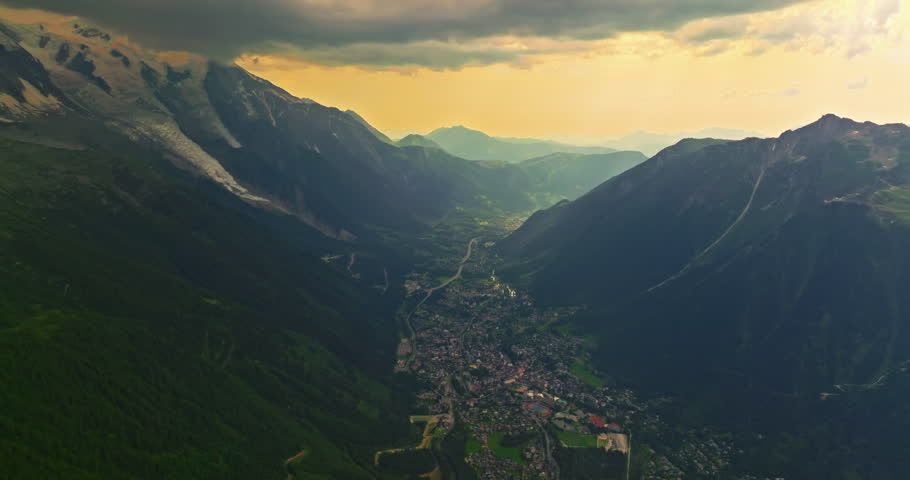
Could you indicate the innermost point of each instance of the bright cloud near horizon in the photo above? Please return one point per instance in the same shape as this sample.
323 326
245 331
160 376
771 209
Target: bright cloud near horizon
571 69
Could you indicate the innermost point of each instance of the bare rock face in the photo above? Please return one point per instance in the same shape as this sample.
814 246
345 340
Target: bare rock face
325 166
314 162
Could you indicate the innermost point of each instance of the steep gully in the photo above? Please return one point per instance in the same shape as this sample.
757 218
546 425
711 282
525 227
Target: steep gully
719 239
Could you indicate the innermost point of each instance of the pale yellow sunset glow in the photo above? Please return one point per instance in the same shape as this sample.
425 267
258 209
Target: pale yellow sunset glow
763 70
770 71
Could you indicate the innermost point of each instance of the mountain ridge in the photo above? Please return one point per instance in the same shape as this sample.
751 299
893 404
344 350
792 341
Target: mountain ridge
328 167
762 282
719 202
771 152
476 145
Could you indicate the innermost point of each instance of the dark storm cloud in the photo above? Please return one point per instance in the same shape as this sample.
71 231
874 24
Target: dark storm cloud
434 55
227 28
709 30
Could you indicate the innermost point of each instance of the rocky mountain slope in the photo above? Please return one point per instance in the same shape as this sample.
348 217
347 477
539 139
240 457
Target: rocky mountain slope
703 199
764 280
325 166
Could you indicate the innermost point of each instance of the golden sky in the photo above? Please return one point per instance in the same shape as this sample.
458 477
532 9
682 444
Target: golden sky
585 72
840 57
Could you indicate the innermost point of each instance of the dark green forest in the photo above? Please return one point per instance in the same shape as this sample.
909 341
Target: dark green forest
155 327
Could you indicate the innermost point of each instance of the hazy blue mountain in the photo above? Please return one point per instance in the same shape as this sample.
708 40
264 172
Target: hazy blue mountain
571 175
476 145
650 143
415 140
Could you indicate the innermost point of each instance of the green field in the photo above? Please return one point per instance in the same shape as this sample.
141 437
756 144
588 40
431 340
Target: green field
583 373
577 440
580 368
472 446
895 201
512 453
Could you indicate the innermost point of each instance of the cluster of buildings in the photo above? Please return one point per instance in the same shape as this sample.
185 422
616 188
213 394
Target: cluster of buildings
492 358
484 353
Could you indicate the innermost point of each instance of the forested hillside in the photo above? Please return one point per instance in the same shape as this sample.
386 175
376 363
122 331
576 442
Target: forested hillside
154 326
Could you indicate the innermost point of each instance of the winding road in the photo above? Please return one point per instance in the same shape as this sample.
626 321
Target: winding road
467 256
407 320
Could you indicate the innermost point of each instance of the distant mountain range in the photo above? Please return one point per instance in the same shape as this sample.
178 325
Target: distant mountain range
760 277
415 140
650 143
571 175
561 175
475 145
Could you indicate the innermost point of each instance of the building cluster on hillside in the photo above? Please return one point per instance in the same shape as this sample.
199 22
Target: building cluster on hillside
503 369
489 355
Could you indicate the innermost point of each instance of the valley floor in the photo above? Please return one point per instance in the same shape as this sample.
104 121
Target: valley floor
514 396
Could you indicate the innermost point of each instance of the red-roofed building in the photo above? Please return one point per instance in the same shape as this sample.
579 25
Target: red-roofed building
596 420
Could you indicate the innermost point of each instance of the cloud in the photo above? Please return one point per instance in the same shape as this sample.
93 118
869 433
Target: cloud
710 29
430 54
361 30
435 55
873 17
858 84
712 49
884 10
851 27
